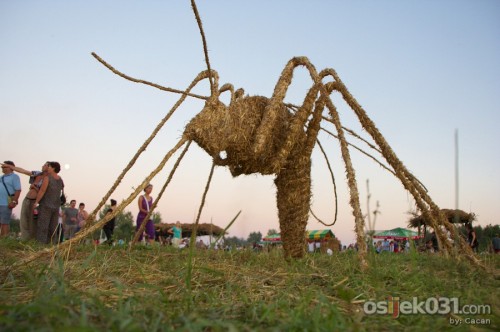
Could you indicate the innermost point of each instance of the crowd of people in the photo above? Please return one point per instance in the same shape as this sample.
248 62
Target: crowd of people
392 246
43 216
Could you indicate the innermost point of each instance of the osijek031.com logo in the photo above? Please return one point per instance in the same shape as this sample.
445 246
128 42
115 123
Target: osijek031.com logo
430 306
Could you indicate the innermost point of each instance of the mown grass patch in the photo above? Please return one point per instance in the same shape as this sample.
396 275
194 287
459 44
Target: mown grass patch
113 288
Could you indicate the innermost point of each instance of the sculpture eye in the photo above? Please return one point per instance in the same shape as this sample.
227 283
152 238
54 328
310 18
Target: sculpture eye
223 155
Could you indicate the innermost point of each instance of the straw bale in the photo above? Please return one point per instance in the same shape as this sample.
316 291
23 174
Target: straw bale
187 229
450 214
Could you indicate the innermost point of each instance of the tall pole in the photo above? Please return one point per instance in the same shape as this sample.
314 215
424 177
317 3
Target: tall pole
456 169
370 228
456 217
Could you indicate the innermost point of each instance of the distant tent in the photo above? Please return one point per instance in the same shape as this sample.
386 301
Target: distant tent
274 238
397 234
324 234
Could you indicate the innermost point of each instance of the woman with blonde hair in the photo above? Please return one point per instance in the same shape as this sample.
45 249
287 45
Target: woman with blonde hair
177 234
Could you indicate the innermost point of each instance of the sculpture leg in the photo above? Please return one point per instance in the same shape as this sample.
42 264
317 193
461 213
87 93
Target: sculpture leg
293 198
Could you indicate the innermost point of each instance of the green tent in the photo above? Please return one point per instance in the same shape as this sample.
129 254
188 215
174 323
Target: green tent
320 234
397 234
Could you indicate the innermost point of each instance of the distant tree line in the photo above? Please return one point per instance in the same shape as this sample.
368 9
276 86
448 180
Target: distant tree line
125 230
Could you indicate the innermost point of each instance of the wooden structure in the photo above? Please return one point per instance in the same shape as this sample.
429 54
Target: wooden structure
453 216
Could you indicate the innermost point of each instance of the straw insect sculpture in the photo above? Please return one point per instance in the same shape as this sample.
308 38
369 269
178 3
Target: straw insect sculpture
256 134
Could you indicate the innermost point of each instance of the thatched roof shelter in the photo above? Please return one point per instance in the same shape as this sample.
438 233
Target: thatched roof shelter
187 229
453 216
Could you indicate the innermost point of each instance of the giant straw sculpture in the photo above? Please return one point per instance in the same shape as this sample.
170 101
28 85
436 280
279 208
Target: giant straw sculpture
255 134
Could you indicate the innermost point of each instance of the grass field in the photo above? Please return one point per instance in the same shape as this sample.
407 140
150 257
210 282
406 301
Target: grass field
161 289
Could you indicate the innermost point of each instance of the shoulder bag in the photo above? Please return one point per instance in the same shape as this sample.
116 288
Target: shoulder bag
9 196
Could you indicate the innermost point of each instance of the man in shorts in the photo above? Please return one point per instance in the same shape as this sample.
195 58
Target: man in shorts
26 220
10 189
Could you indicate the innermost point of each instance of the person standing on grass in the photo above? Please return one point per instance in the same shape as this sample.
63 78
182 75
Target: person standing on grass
70 223
60 228
496 244
386 246
310 246
471 237
48 202
435 245
10 189
145 202
27 222
109 227
81 216
177 234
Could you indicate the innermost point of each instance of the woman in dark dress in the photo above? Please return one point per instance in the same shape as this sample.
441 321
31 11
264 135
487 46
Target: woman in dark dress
471 237
47 202
109 227
145 203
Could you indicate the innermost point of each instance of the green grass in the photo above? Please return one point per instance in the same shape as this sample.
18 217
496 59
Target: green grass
113 289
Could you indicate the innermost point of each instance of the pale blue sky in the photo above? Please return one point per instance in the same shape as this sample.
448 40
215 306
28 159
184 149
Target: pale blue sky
421 70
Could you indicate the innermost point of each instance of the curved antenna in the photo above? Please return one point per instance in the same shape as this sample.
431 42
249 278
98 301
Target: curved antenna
136 80
198 20
334 189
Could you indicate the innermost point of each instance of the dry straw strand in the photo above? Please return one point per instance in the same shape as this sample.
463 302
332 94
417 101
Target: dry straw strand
205 51
353 189
192 243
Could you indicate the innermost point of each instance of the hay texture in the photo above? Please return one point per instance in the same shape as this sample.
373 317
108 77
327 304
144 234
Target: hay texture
452 215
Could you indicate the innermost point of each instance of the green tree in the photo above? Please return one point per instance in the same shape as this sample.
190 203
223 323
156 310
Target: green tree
234 241
254 237
489 232
124 228
272 231
156 218
484 236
